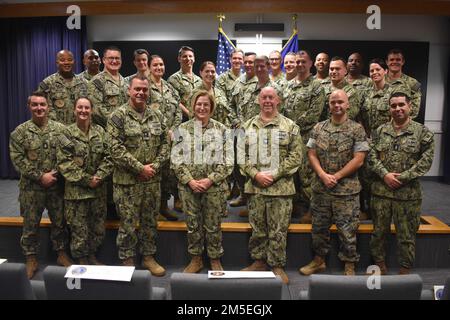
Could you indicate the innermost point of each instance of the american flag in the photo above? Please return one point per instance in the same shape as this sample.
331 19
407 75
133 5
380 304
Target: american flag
224 49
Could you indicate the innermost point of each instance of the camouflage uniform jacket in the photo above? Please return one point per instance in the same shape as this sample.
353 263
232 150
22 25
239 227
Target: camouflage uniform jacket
225 82
375 109
335 147
303 103
80 157
248 106
33 152
353 99
136 141
167 102
107 95
85 74
289 154
237 92
362 85
184 85
280 80
414 91
409 152
61 95
211 160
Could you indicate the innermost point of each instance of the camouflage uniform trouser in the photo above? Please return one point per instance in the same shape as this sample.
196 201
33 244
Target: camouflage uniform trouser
32 204
168 183
203 217
406 216
269 217
327 209
365 177
305 174
86 220
137 206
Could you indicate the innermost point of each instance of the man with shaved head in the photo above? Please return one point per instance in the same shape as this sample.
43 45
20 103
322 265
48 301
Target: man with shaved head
322 63
336 150
91 61
355 66
62 88
270 183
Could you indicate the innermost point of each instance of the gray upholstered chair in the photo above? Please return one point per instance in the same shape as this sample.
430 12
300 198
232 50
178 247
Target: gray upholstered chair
188 286
446 293
337 287
14 283
140 287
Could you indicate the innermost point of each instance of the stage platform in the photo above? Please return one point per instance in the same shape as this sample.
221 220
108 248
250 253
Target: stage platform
432 247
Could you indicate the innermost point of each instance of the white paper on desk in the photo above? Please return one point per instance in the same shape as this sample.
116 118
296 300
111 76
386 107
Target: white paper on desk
112 273
240 274
3 260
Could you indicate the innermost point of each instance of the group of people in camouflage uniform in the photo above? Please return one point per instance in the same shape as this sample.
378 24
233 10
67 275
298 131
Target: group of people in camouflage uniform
333 141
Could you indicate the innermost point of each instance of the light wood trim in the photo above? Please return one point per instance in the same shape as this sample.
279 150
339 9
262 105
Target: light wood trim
93 8
433 226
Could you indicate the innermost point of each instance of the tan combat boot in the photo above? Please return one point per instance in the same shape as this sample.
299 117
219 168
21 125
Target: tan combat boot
83 261
404 271
63 259
216 265
315 266
239 201
128 262
306 218
164 212
196 265
177 205
257 265
363 216
349 269
32 265
150 263
383 268
243 213
93 260
279 271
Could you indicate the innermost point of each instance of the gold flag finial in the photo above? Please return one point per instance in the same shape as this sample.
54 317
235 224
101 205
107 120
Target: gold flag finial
294 22
221 17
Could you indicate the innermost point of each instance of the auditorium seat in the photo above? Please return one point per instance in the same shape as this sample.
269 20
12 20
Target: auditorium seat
188 286
446 293
339 287
140 287
14 283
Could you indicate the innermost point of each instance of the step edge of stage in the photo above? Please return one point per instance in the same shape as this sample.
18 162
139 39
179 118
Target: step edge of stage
433 226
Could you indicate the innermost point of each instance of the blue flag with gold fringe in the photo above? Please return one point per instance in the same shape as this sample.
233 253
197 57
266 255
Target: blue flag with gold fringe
224 49
290 46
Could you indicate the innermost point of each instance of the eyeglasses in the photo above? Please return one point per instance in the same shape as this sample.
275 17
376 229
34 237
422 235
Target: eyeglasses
93 57
274 59
113 58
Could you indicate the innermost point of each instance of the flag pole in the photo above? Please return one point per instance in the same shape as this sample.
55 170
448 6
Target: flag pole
222 17
294 30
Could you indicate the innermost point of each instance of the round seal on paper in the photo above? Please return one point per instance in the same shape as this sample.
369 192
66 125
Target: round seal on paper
32 155
59 103
79 270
